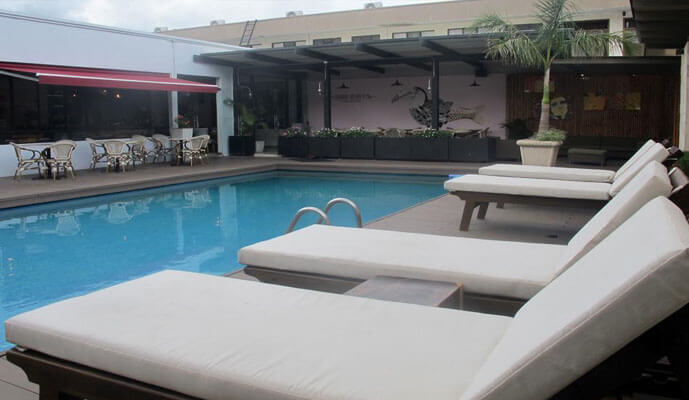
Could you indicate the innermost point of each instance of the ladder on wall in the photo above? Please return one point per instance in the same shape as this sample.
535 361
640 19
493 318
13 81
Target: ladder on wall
245 41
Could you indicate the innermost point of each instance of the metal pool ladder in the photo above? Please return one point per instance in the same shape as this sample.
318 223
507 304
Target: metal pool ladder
323 214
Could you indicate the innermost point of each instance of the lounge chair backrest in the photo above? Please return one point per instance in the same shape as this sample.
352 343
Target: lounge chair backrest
651 182
635 157
631 281
657 152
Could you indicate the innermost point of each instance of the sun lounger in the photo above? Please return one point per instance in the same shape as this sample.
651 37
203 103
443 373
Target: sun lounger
184 335
563 173
481 190
316 256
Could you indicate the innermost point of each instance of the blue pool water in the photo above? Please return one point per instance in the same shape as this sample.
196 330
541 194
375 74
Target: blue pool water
60 250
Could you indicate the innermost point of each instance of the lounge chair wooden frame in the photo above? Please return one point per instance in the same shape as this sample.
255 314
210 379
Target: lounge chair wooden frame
64 380
483 199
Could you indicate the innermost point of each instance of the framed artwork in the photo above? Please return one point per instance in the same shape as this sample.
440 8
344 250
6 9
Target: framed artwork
594 102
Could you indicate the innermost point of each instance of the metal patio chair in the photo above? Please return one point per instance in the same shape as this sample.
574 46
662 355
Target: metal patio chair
137 150
161 147
98 154
26 159
59 156
117 154
192 149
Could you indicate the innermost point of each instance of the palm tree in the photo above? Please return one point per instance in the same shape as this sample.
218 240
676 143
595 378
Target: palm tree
555 37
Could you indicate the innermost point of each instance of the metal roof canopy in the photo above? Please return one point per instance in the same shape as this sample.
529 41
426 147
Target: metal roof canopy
662 23
371 57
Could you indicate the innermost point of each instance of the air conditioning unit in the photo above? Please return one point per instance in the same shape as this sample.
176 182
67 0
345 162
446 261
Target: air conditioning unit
217 22
376 4
159 29
291 14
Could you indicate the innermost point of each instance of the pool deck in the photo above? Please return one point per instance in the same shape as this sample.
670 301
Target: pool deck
438 216
31 190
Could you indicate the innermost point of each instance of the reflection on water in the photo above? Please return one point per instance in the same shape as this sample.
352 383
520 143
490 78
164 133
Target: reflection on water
50 252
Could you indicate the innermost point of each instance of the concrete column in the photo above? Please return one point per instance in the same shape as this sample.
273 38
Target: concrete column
616 24
684 101
225 112
173 105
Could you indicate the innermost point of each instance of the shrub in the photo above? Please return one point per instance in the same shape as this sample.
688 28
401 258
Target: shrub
292 132
430 133
551 135
356 132
326 132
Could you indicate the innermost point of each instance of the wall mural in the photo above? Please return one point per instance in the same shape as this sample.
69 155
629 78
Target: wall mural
420 108
559 108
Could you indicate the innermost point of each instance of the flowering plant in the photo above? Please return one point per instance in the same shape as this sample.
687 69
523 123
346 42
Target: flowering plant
326 132
356 132
182 121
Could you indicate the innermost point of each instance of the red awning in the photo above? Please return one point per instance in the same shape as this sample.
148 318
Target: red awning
104 78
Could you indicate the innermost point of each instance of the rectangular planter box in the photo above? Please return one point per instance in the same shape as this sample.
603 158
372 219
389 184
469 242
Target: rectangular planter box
429 149
473 149
393 148
324 147
242 145
294 146
357 147
507 150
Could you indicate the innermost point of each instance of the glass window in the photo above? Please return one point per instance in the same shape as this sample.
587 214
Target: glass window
365 38
427 33
320 42
455 31
399 35
413 34
293 43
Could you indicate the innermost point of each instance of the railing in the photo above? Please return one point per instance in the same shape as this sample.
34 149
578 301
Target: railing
323 214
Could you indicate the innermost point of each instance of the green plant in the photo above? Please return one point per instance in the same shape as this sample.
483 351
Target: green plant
326 132
182 121
293 132
430 133
247 119
517 129
551 135
356 132
554 38
683 163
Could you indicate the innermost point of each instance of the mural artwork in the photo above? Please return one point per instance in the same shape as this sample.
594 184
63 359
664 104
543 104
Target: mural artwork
420 108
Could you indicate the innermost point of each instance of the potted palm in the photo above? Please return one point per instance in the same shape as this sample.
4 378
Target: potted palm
243 144
542 148
555 37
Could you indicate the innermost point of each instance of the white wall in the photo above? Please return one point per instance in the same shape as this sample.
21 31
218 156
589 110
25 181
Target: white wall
368 102
43 41
684 101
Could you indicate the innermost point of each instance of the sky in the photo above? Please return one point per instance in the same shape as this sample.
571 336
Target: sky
145 15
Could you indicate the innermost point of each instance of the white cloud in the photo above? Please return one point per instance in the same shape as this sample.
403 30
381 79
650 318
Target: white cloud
147 14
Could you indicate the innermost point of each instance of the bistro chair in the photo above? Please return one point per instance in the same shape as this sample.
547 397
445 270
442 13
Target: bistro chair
117 154
59 155
137 150
97 152
26 159
161 147
192 149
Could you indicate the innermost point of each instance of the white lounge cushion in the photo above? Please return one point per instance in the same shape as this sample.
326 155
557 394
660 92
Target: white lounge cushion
529 187
634 158
220 338
541 172
651 182
501 268
657 152
632 280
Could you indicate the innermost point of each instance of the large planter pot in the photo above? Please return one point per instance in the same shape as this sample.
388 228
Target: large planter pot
357 147
393 148
324 147
429 149
293 146
538 152
242 145
507 150
260 146
179 133
473 149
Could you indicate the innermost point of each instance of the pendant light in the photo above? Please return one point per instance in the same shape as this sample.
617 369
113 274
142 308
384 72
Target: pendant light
396 83
343 86
474 84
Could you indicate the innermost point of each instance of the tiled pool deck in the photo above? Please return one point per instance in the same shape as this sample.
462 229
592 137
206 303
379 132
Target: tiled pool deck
438 216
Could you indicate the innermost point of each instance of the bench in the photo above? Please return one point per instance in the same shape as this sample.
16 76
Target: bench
587 156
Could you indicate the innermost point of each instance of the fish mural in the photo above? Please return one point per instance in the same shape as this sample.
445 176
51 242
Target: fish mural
420 108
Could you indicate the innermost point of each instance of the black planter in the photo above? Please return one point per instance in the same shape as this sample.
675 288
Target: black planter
473 149
429 149
242 145
507 150
357 147
393 148
324 147
293 146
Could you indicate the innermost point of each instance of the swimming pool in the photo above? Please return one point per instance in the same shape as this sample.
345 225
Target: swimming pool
59 250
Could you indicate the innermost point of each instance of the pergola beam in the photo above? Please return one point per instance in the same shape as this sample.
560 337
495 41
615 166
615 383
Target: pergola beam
281 61
367 48
438 48
330 58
